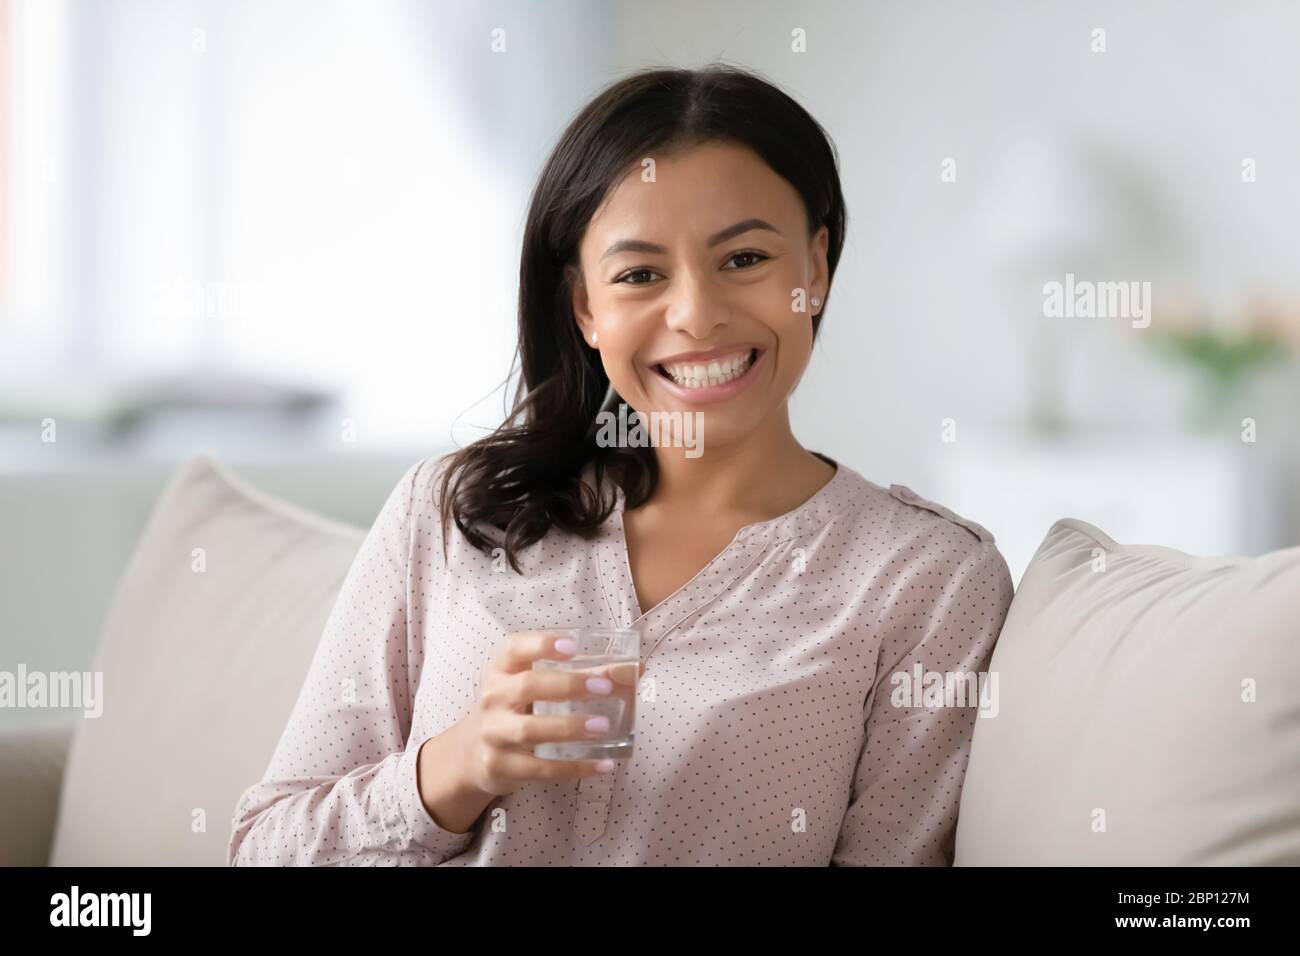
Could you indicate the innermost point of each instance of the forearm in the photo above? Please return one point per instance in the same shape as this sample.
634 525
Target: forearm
373 812
453 804
311 822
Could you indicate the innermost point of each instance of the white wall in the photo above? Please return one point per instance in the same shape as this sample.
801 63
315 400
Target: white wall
366 169
929 318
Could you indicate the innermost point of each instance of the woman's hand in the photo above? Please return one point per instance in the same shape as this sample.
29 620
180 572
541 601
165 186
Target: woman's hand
499 732
489 752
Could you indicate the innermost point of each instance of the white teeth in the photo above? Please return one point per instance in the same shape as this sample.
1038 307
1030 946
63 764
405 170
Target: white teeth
715 373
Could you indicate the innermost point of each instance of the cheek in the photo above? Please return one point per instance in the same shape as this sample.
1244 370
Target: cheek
793 348
620 362
792 331
772 303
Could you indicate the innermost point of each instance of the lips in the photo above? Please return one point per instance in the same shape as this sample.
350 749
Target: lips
711 390
704 357
708 372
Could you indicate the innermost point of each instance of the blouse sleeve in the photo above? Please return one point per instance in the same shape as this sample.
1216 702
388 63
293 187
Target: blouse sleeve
341 785
907 783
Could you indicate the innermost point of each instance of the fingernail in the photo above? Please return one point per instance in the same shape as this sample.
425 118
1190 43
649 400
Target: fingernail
599 685
604 766
597 725
566 645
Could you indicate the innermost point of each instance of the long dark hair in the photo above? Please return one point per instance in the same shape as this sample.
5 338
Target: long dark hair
525 476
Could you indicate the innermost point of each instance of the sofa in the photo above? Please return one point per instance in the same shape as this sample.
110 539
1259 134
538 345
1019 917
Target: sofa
1147 701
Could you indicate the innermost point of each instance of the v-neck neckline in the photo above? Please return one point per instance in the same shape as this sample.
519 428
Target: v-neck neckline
710 581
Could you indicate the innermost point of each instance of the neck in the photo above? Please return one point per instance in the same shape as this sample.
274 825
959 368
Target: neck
766 475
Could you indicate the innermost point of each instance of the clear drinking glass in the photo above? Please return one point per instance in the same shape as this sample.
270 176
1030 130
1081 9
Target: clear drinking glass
608 652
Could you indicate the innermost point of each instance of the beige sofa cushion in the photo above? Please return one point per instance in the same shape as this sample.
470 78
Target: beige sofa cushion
31 773
1148 711
203 654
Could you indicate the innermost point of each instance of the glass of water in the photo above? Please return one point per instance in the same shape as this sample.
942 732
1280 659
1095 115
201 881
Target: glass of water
612 653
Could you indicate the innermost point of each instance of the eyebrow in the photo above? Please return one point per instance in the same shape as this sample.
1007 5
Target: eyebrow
640 245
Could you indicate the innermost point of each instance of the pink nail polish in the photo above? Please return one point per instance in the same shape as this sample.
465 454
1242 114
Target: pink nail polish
599 685
604 766
597 725
566 645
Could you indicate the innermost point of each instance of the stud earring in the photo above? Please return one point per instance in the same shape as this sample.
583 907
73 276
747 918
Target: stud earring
593 338
816 301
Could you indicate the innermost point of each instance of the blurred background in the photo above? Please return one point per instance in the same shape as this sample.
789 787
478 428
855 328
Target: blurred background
288 232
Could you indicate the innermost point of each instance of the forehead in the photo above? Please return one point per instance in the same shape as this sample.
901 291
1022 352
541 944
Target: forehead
695 193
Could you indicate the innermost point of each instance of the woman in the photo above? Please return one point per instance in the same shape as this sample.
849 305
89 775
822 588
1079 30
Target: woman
678 256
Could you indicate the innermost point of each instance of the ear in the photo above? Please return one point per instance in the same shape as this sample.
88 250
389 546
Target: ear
579 303
820 283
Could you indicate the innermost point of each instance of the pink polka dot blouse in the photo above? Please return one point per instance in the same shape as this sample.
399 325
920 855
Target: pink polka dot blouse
777 732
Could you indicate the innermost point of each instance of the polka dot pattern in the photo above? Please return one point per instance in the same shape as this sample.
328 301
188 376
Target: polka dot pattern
773 736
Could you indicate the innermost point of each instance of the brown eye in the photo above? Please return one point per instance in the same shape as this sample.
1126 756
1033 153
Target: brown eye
757 256
635 272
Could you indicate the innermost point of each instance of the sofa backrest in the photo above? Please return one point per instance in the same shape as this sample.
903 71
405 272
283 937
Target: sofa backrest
205 647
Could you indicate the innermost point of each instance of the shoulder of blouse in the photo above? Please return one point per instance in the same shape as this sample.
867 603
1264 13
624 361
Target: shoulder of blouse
426 479
925 511
424 512
861 499
911 498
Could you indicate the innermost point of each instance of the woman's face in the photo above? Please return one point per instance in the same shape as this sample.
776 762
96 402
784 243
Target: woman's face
712 256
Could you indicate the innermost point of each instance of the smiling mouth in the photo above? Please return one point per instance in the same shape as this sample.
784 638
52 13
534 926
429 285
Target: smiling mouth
709 374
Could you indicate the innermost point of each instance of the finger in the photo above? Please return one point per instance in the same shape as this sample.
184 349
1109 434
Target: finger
620 672
524 647
624 674
525 730
525 766
587 684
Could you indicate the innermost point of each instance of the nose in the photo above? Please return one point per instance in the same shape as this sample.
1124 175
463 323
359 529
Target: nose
694 307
